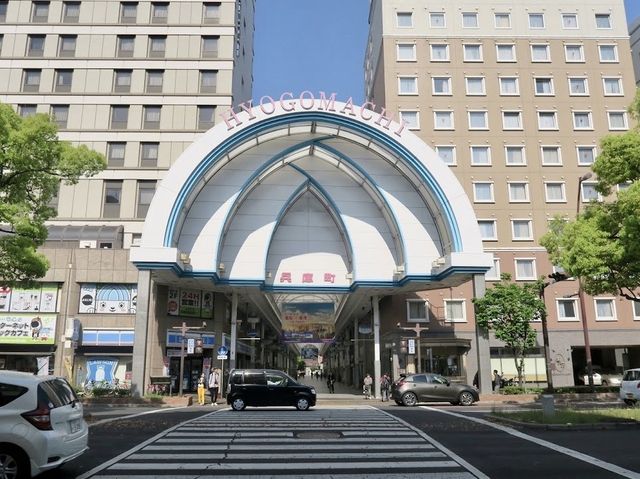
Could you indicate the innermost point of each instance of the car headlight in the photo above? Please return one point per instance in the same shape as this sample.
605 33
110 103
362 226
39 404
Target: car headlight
313 391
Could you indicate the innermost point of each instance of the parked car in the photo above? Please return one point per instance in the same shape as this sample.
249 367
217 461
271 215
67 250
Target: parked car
414 388
267 387
603 378
41 424
630 386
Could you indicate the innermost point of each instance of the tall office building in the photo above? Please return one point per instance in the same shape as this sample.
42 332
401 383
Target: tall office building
138 81
514 97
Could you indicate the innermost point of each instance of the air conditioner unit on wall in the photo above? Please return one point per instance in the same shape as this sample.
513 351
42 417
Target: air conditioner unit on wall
88 243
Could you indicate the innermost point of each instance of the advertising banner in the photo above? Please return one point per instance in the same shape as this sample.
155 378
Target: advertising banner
108 298
308 322
190 303
43 297
310 354
27 328
101 369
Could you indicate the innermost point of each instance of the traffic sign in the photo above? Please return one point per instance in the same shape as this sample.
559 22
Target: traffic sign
191 345
222 356
223 351
412 346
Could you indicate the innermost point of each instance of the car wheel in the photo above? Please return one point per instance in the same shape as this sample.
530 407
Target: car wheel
13 464
630 402
238 404
399 403
302 404
466 398
409 399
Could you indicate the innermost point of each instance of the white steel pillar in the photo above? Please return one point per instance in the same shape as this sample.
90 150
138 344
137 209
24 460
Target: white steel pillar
376 346
234 330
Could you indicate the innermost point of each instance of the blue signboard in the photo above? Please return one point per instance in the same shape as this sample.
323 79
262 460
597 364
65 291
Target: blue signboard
101 369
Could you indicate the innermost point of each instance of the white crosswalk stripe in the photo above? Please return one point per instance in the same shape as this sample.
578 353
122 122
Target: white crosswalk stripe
279 444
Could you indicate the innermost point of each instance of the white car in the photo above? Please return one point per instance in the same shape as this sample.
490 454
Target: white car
41 424
630 386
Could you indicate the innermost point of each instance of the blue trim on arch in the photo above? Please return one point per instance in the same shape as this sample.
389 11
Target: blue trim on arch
292 118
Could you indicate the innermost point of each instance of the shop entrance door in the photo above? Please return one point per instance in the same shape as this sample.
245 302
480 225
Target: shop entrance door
192 371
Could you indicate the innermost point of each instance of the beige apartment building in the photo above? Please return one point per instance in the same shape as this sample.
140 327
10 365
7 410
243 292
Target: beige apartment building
514 96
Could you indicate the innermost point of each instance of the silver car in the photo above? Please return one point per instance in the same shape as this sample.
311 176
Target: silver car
630 386
428 387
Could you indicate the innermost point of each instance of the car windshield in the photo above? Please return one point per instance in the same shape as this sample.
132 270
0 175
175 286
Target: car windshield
276 379
633 375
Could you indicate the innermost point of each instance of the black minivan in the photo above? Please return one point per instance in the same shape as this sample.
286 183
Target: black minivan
267 387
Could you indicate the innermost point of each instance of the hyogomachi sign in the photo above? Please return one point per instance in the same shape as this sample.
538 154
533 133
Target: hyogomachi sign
307 101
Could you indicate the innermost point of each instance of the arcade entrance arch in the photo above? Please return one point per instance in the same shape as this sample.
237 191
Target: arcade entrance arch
286 224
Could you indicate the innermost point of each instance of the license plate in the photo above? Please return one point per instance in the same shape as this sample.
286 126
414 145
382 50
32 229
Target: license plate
75 425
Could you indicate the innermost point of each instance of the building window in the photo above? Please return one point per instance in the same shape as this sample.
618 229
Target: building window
40 12
122 81
115 154
155 80
603 20
480 156
417 311
488 231
206 117
555 192
636 310
437 20
70 12
119 117
447 154
582 120
411 118
578 86
443 120
406 52
540 53
551 155
67 46
509 86
608 53
159 12
407 85
475 86
612 86
439 52
536 20
63 79
472 52
404 19
521 230
211 12
544 86
31 80
441 85
125 45
149 154
454 311
35 45
518 191
151 117
586 155
617 120
494 273
512 120
112 197
208 81
60 114
574 53
469 20
525 269
128 12
27 110
146 190
506 52
502 20
209 47
483 192
567 309
569 21
3 10
157 46
478 120
588 192
605 309
547 120
515 155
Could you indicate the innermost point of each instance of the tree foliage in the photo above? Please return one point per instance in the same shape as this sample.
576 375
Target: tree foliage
602 247
33 162
507 309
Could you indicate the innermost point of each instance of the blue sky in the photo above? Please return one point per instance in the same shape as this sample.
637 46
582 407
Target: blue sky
318 45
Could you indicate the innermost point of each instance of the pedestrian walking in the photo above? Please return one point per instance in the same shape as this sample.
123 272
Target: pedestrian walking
331 382
368 381
214 385
475 383
497 380
385 386
201 384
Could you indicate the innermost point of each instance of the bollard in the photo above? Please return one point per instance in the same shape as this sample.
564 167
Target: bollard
548 406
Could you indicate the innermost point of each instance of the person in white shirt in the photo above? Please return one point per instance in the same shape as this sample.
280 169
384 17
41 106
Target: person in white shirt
214 385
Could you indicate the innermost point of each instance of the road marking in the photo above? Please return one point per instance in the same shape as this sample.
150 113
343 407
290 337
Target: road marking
120 418
266 466
550 445
285 455
386 475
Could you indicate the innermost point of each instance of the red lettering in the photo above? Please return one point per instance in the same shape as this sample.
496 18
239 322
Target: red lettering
285 277
307 277
329 278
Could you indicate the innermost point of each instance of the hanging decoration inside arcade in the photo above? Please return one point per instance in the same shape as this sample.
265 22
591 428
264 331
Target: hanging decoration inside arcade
108 298
308 322
191 303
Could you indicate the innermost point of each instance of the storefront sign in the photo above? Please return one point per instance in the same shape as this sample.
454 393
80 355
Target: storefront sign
101 369
27 328
190 303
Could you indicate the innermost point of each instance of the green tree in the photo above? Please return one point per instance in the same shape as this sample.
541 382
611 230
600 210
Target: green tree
507 309
33 162
602 246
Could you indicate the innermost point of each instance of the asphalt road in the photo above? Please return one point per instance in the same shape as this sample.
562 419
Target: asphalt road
465 445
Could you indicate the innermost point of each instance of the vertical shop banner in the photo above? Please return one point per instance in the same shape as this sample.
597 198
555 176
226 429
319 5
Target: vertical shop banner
308 322
207 305
27 328
190 303
49 298
101 369
172 302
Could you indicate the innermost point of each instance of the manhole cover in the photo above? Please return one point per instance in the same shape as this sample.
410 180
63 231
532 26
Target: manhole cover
318 435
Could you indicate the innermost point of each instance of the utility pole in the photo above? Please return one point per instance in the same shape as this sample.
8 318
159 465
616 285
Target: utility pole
417 329
183 336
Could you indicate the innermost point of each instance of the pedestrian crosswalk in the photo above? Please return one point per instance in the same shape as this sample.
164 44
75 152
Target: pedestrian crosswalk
284 444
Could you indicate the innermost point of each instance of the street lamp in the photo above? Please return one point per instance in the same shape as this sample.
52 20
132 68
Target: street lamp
583 310
418 330
183 332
